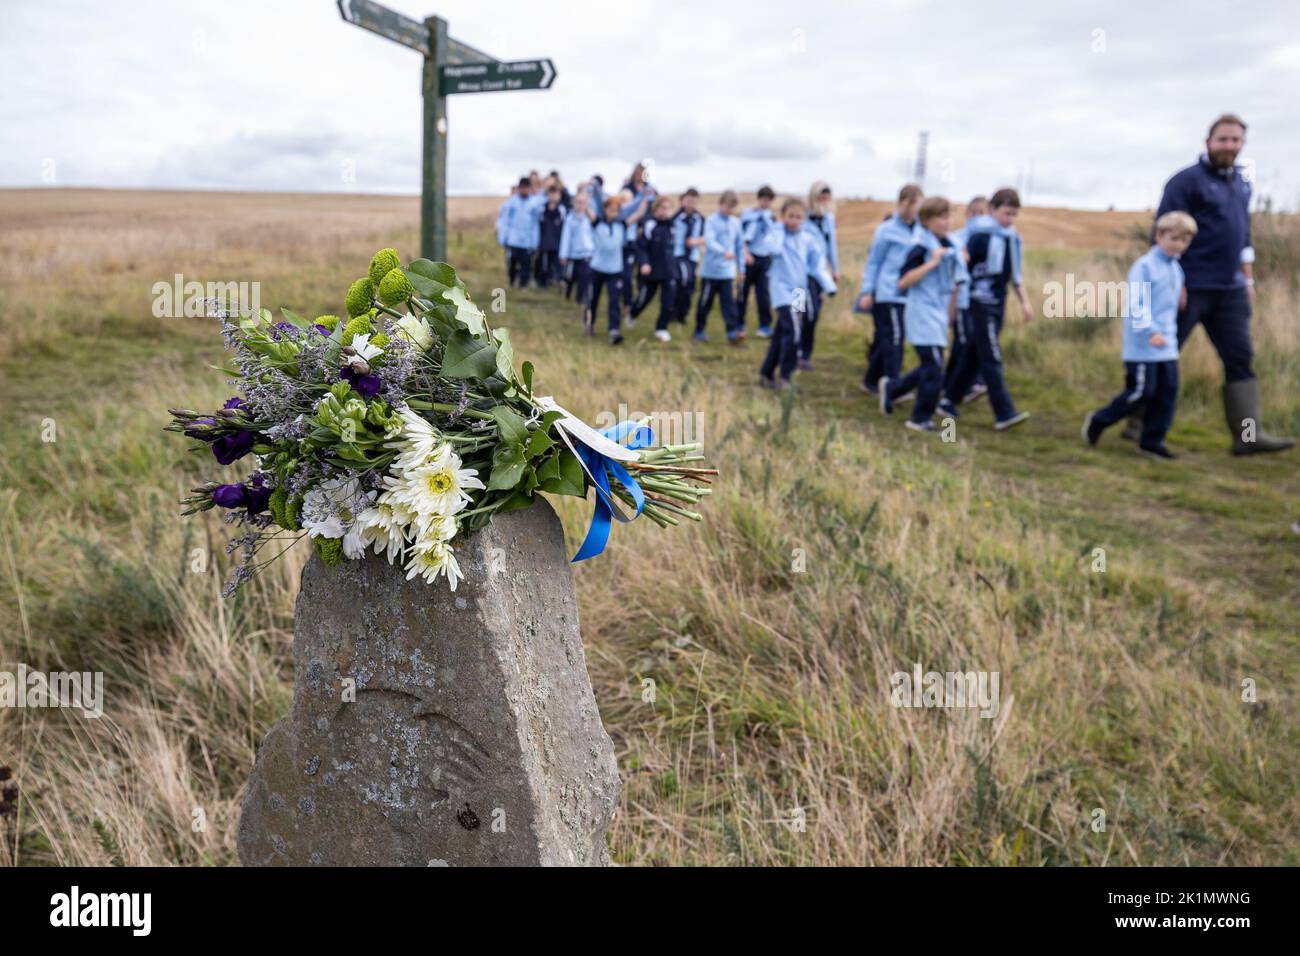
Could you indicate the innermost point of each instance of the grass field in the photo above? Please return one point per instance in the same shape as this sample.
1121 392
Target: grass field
1121 691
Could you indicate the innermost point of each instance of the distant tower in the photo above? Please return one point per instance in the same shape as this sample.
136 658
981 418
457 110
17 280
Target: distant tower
922 146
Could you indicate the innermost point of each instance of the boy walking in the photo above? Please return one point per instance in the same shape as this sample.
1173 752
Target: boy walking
795 256
517 225
879 293
930 277
756 224
551 224
1156 292
724 250
577 246
994 251
608 237
688 239
658 266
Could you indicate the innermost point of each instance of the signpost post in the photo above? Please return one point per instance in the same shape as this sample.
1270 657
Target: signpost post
450 67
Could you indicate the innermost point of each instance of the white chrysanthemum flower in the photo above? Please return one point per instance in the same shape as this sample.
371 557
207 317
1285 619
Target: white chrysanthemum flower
331 509
432 529
385 526
418 330
361 345
435 488
420 442
432 559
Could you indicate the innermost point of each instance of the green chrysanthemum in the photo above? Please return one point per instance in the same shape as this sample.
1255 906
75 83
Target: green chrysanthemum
284 511
379 341
358 326
395 288
384 262
359 297
330 550
329 321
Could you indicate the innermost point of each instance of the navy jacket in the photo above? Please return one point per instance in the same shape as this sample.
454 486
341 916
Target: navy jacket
654 247
552 224
1219 201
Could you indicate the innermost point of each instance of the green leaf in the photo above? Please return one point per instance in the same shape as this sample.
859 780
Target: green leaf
468 357
467 313
539 443
439 272
528 377
569 479
505 354
510 424
508 464
520 499
293 318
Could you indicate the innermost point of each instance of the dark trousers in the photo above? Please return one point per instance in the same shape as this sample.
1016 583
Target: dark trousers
546 268
963 349
809 318
783 346
667 299
985 361
1152 387
1225 313
723 291
521 264
612 281
926 379
885 357
756 279
579 277
685 288
629 269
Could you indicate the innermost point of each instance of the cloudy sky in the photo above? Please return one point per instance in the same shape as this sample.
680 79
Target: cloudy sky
1084 105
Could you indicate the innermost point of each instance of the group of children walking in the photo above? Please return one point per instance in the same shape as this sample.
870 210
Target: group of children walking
921 279
634 246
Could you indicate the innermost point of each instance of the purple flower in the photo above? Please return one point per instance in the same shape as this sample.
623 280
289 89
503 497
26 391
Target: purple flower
230 496
196 429
367 386
322 330
258 499
232 447
235 402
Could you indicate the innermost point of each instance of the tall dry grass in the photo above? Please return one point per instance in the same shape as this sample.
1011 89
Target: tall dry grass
836 552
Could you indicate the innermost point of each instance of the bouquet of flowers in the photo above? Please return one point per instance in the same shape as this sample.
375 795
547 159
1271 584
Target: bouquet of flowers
404 427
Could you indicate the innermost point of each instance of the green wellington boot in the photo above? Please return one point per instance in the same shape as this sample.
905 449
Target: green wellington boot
1241 404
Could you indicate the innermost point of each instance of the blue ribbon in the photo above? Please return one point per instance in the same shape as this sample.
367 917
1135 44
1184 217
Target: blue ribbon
602 518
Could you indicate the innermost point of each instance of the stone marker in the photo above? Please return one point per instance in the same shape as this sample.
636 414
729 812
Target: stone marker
474 737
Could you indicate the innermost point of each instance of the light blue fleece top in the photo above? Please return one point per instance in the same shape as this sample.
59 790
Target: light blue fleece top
722 234
520 221
890 245
825 234
795 257
755 224
607 240
925 317
1155 284
575 236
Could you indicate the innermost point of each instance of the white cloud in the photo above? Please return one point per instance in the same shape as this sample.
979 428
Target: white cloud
245 94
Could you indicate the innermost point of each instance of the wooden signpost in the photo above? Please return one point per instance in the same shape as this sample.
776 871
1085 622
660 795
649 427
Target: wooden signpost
449 67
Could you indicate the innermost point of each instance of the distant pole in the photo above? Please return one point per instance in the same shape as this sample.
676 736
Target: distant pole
922 146
450 66
433 173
